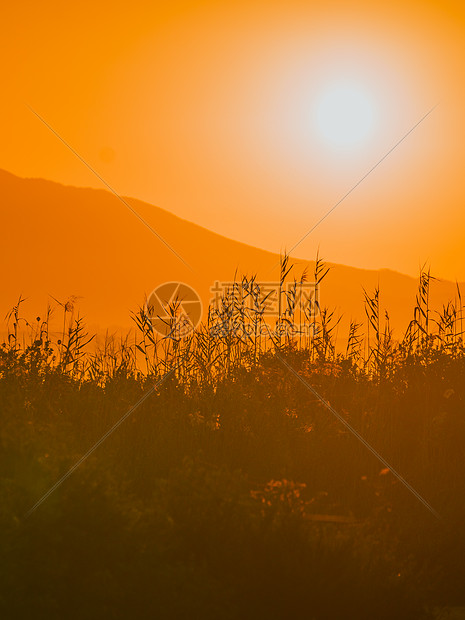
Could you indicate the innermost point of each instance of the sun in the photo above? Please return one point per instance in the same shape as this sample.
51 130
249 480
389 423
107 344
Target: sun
344 115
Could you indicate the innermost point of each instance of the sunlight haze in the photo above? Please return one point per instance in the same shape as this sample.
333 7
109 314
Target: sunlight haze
206 109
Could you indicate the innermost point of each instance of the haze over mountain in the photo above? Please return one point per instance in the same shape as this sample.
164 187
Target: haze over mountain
63 241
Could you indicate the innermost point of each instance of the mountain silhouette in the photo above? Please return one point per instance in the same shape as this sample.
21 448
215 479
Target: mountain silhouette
66 241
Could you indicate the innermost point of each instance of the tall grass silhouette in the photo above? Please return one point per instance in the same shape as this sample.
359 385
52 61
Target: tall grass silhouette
231 492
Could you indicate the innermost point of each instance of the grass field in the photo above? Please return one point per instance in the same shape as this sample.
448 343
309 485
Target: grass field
232 490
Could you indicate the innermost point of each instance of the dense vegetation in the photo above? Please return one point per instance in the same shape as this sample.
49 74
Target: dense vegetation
232 491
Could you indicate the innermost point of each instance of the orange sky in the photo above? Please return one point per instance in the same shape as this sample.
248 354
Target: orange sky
204 109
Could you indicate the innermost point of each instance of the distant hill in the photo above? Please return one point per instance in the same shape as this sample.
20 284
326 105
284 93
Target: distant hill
62 241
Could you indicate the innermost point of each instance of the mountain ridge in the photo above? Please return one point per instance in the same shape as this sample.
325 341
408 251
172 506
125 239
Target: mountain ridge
97 247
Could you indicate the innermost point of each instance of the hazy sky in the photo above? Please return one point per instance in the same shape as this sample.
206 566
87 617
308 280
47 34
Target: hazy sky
222 113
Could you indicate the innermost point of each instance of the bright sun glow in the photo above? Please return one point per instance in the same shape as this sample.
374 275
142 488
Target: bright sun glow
344 116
